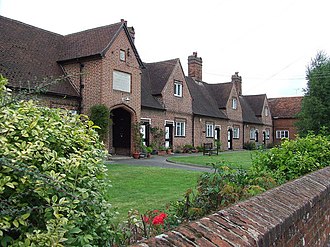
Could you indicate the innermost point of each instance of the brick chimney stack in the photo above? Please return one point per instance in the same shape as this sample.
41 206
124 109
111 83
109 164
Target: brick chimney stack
237 80
131 30
195 67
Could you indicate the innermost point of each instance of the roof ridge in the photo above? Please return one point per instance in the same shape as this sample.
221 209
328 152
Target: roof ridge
30 26
164 61
92 29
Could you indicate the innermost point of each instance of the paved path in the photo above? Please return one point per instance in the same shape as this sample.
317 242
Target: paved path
159 161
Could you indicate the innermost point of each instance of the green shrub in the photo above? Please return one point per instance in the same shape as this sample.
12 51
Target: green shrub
294 158
100 115
249 146
52 178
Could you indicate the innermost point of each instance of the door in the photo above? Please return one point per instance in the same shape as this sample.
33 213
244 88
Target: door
121 129
217 136
145 132
257 136
230 139
168 135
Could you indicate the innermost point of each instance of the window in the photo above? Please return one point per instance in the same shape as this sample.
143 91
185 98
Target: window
282 134
267 134
122 55
122 81
252 134
266 111
178 88
234 102
236 132
180 128
209 130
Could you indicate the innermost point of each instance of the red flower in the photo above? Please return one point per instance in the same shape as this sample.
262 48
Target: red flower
159 219
146 219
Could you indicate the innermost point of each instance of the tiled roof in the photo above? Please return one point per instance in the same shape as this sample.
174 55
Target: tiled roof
89 42
147 99
249 115
286 107
204 103
220 92
256 102
29 54
159 74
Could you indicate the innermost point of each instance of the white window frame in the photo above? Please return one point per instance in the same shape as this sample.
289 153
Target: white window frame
122 55
266 111
252 134
267 134
209 130
235 132
282 134
180 128
234 103
178 88
121 81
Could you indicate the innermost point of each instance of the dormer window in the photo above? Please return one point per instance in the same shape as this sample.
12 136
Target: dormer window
266 111
122 55
178 88
234 103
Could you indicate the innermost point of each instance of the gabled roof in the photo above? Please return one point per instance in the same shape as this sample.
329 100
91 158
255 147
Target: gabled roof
159 74
203 102
220 92
256 102
249 115
29 53
285 107
147 99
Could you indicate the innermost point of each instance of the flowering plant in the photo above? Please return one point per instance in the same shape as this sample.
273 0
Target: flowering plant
153 222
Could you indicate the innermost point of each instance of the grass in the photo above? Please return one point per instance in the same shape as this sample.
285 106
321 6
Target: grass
144 188
236 159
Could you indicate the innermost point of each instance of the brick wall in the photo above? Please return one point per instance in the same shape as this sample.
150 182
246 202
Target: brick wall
294 214
285 124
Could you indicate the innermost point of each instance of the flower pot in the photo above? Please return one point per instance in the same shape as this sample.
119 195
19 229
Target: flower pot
161 152
136 155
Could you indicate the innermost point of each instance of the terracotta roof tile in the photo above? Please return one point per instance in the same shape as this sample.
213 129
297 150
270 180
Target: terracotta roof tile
285 107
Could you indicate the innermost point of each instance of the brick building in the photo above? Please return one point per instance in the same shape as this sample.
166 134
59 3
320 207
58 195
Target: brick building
102 66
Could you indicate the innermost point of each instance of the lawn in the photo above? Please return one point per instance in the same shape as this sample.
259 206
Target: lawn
236 159
144 188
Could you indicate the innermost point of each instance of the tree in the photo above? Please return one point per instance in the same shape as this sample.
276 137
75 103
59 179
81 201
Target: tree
315 111
100 115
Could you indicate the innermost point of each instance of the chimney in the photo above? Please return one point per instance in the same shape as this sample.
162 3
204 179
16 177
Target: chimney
237 80
195 67
131 30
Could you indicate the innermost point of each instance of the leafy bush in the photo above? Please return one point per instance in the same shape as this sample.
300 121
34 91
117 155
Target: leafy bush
249 146
100 115
294 158
52 178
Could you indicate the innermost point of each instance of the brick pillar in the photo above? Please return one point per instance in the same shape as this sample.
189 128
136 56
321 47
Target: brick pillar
237 80
195 67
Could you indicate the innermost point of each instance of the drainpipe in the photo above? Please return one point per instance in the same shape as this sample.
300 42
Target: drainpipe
81 86
193 131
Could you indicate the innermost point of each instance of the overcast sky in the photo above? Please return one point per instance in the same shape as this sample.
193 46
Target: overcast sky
269 42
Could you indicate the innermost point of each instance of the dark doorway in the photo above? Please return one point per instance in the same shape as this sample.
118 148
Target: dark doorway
264 138
169 135
121 131
217 137
257 136
230 139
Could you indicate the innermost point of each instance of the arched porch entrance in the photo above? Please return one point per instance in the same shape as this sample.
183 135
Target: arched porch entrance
121 131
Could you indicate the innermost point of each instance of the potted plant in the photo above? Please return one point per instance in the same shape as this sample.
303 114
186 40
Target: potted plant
162 150
149 151
169 150
137 141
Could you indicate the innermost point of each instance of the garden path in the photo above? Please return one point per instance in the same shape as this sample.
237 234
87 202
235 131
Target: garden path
159 161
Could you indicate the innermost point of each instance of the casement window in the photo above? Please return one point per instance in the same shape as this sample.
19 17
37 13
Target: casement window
122 55
178 88
267 134
282 134
180 128
209 130
236 132
234 103
252 134
266 111
121 81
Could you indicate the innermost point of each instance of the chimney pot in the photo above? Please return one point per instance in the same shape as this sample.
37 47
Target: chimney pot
195 66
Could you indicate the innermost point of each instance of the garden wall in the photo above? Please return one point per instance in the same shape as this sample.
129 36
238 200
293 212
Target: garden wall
294 214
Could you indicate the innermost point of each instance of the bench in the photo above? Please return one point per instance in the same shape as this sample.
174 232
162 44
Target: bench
209 149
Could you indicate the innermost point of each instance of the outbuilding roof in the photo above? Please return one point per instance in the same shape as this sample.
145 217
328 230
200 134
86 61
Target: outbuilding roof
285 107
